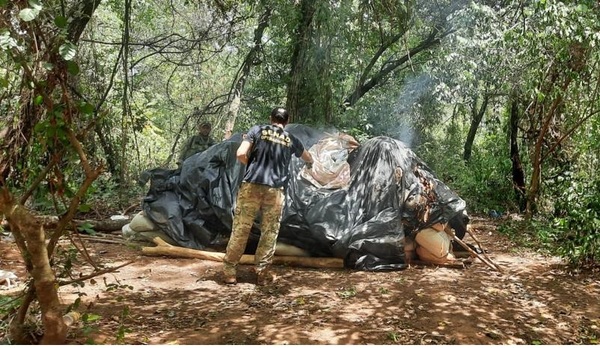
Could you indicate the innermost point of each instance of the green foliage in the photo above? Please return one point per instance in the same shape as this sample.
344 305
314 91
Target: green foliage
104 195
67 51
8 304
359 127
394 336
484 182
122 330
534 234
576 221
90 326
571 230
65 258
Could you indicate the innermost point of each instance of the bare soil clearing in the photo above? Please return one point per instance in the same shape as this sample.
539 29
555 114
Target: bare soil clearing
159 300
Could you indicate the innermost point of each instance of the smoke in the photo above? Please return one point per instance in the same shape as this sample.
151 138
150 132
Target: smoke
407 111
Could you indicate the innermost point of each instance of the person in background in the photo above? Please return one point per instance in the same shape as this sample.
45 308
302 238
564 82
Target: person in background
266 150
197 143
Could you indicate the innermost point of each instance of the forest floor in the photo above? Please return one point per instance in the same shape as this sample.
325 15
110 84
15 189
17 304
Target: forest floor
161 300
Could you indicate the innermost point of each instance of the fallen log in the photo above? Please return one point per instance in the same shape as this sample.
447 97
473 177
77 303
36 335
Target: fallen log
106 226
51 222
162 248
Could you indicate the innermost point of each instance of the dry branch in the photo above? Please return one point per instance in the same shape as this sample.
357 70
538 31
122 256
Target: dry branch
449 263
484 260
96 273
164 249
481 247
106 240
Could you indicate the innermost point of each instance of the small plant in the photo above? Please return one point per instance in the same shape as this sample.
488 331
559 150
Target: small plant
122 330
394 336
8 305
90 326
347 293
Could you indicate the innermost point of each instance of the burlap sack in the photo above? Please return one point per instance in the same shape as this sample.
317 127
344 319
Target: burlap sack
434 246
140 223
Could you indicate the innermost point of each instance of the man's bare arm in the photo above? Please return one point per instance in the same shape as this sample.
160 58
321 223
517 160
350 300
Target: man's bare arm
242 151
306 157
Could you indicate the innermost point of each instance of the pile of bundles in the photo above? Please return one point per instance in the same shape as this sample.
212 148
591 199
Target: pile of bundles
375 205
142 228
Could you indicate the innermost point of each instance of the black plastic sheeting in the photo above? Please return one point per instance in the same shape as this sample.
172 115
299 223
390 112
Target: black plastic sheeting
391 194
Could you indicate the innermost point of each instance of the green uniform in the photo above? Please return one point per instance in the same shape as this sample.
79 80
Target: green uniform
195 144
251 198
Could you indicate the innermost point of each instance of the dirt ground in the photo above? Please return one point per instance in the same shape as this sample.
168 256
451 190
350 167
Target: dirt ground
160 300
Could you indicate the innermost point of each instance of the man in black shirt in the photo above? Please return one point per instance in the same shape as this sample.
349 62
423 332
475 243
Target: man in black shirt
266 151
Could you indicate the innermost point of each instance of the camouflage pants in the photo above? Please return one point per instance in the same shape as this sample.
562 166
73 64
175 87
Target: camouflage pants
252 198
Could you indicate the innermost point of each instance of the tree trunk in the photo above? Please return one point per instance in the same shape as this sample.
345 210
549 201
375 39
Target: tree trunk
38 46
564 72
536 161
518 175
17 330
107 147
125 102
237 92
302 36
26 225
476 117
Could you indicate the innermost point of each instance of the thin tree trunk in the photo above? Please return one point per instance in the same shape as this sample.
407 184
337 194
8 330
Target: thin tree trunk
536 173
302 38
569 69
111 154
125 101
476 117
518 175
238 90
25 224
29 233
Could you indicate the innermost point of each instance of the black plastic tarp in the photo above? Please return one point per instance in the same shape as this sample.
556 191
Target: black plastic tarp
391 193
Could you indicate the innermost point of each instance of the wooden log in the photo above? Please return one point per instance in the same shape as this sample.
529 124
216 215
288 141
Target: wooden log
164 249
51 222
103 225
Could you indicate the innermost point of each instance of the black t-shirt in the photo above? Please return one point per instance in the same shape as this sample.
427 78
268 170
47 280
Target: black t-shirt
269 158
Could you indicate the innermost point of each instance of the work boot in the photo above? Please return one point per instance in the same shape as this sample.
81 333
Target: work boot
229 272
264 278
229 279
